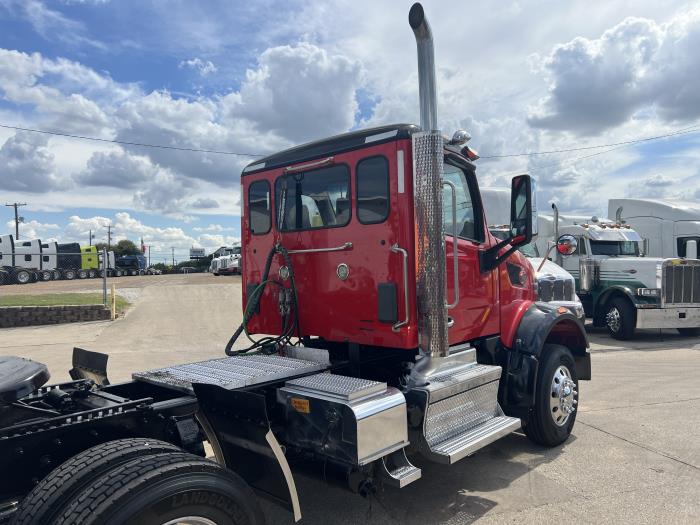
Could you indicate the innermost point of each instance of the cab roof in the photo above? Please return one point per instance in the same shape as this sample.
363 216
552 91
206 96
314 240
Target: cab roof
332 145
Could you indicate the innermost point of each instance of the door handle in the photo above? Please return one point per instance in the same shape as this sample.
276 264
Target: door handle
396 249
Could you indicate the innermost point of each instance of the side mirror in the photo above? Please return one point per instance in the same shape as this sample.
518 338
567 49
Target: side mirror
566 245
522 210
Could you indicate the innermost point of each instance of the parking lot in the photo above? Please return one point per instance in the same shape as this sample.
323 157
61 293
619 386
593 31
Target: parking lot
634 455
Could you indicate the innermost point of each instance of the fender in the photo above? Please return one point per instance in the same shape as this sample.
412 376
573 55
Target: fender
542 323
238 428
625 290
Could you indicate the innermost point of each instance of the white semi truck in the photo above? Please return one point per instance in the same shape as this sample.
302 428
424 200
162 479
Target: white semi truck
670 228
554 284
619 287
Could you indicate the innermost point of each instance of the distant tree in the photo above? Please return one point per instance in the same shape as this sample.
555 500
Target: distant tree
101 245
125 247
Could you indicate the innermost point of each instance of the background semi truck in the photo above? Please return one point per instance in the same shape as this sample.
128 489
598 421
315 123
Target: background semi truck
383 331
619 288
554 284
670 228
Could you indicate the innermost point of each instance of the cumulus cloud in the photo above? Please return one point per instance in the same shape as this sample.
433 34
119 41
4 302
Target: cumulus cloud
659 181
203 67
26 165
117 169
205 203
636 65
300 92
34 229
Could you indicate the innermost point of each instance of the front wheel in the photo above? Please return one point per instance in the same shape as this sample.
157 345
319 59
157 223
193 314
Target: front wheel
689 332
556 398
620 319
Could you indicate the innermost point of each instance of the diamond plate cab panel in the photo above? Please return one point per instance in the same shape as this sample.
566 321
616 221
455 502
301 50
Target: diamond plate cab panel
345 418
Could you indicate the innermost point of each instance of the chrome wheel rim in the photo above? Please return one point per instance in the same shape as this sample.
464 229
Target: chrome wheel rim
191 520
23 277
563 396
613 318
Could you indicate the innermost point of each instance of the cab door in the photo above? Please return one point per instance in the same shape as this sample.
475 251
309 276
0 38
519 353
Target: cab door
476 313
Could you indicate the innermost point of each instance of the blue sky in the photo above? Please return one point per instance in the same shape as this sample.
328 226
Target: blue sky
521 76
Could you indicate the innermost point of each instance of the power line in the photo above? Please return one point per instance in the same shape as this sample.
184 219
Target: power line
691 129
127 143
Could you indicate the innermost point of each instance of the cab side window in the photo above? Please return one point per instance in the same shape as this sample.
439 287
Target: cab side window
683 241
581 247
259 207
372 177
468 225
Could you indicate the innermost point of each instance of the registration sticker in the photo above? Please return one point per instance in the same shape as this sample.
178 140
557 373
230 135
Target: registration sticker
300 405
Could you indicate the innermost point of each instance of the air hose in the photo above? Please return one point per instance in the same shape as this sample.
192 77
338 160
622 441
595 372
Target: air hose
288 330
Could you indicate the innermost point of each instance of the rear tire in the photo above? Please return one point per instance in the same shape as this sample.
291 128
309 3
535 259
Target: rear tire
165 489
55 492
689 332
620 318
45 275
23 277
92 274
549 424
69 275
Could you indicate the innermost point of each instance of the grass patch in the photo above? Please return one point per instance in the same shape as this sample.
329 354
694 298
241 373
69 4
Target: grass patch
60 299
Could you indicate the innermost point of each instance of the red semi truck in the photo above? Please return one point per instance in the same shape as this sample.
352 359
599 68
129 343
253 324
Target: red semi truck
399 326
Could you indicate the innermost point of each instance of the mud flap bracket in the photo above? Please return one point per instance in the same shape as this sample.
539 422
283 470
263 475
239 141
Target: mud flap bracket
237 424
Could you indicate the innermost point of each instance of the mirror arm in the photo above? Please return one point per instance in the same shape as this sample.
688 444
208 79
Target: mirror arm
549 250
490 259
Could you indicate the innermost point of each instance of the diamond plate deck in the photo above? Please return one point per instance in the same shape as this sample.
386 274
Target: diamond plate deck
344 387
229 372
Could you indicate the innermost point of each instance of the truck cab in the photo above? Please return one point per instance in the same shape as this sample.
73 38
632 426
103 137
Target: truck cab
669 227
622 290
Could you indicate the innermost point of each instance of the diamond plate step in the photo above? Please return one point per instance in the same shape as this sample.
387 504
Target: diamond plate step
229 372
463 445
461 413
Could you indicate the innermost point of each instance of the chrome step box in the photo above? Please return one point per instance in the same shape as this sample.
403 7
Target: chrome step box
456 411
348 419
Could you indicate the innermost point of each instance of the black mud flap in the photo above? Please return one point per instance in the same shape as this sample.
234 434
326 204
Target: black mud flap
89 365
239 427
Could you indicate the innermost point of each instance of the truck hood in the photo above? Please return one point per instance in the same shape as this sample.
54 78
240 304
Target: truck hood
631 270
549 269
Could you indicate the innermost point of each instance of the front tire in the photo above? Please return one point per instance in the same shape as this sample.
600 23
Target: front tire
620 319
164 489
82 274
556 398
689 332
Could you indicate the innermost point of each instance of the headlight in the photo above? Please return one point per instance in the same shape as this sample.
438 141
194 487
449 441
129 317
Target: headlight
648 292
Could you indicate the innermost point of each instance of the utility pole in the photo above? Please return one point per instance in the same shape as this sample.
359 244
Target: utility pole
173 249
109 236
90 237
148 247
16 205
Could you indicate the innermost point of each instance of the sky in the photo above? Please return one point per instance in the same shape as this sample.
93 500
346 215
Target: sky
255 77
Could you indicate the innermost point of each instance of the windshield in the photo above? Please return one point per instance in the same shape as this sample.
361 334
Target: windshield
615 248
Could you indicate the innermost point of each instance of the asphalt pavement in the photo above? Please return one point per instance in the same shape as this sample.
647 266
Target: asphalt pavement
634 456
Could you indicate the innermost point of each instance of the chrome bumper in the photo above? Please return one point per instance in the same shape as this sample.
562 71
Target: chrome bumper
671 317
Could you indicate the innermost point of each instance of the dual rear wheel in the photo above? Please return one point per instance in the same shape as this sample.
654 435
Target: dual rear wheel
142 481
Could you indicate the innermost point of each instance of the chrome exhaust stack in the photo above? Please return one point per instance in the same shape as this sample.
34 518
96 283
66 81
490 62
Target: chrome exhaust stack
456 395
427 191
